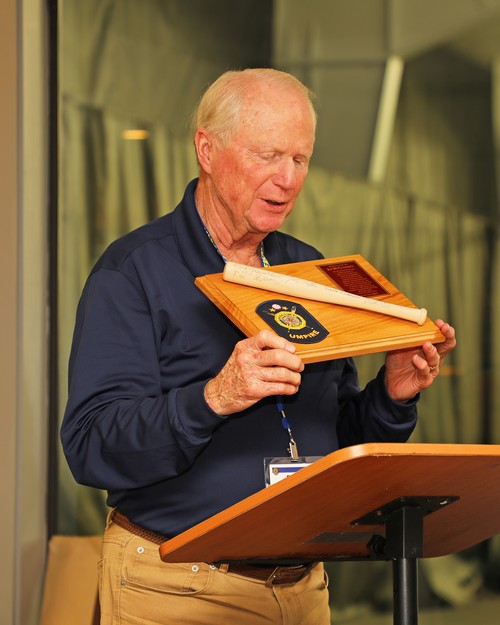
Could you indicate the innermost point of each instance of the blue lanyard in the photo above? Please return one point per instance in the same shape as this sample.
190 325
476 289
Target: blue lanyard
292 448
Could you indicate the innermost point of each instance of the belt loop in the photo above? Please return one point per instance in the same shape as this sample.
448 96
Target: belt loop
223 568
109 518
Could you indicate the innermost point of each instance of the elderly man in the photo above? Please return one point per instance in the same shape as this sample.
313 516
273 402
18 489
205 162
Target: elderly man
172 411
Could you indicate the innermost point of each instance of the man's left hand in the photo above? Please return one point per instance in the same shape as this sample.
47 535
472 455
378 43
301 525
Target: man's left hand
408 371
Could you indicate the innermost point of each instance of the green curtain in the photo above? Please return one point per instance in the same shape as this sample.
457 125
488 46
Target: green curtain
126 65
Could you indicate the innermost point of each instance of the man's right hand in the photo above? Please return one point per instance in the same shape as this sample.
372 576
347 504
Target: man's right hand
261 366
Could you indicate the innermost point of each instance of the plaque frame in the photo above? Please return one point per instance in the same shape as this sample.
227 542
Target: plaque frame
350 331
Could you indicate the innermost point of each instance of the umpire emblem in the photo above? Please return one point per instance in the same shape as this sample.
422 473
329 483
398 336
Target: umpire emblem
291 321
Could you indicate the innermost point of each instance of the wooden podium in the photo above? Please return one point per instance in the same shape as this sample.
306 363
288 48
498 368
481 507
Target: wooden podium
380 501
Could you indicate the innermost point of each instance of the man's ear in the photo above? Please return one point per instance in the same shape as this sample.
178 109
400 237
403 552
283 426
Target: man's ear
204 149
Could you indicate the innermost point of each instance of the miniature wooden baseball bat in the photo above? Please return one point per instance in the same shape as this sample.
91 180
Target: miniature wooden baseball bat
306 289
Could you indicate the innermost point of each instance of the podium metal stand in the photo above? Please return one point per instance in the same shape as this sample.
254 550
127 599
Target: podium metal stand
398 502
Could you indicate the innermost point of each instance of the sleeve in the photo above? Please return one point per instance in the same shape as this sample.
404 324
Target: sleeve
119 429
371 415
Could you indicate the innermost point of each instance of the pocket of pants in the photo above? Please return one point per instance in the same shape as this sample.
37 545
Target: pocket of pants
143 568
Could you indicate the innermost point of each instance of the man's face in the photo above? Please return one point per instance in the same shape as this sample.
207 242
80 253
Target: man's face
256 177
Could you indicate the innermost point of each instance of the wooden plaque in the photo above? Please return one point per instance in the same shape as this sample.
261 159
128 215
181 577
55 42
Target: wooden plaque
329 331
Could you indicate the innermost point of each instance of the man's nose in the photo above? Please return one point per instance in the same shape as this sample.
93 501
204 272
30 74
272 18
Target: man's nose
286 173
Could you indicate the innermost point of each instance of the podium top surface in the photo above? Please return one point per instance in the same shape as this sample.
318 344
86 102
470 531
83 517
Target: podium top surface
312 515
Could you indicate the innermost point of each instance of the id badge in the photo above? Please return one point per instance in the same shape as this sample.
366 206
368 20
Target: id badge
277 469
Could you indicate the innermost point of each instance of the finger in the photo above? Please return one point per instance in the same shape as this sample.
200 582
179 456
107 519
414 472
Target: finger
266 339
281 388
450 341
428 361
260 382
274 351
422 364
446 329
430 353
279 358
280 375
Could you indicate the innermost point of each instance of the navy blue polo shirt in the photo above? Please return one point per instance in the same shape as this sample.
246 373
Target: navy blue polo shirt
146 342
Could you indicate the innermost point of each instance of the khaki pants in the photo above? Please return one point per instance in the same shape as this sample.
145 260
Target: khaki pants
136 587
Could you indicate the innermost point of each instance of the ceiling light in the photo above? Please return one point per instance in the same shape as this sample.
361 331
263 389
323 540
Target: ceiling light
135 134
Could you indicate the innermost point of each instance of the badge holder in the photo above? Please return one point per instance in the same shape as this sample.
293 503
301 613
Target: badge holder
277 469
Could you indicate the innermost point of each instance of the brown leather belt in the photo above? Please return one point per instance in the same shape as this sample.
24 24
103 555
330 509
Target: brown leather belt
125 523
272 575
